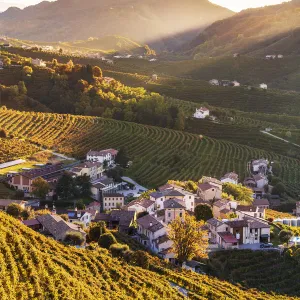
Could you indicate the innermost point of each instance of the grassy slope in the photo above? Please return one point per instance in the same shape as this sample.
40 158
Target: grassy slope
158 154
36 267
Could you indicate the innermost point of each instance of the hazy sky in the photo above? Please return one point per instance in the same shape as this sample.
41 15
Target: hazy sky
235 5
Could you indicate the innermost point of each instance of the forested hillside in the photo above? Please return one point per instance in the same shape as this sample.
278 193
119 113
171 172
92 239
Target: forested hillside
36 267
260 31
151 22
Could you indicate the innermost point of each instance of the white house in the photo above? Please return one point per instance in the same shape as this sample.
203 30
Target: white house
279 56
38 62
107 155
263 86
214 82
92 169
261 180
236 83
141 205
82 216
201 113
259 164
271 56
230 178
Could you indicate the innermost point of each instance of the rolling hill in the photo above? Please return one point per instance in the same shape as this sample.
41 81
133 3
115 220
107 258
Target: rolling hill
260 31
36 267
151 22
158 154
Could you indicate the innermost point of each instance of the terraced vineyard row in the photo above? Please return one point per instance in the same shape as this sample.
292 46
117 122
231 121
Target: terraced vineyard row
266 271
158 154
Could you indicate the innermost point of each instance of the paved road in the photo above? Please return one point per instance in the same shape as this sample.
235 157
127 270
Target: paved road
135 191
279 138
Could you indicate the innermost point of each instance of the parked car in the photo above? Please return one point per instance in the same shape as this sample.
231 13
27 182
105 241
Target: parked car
266 245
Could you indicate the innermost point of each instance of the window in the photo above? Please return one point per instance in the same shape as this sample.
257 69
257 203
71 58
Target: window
169 215
180 215
192 203
105 204
190 197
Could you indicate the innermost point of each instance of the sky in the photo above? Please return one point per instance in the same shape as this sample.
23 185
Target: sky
235 5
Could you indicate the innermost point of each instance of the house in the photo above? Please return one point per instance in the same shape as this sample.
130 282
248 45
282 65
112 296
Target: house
150 229
104 184
4 203
109 61
279 56
298 209
260 165
250 210
207 191
258 193
226 83
94 170
118 219
55 226
38 62
230 178
249 182
23 181
201 113
213 181
163 247
214 82
235 83
263 86
261 203
95 205
227 240
112 201
34 224
141 205
174 208
223 207
260 180
236 55
270 56
154 77
82 216
158 198
107 155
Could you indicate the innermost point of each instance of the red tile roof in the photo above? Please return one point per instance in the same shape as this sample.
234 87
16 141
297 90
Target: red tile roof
227 237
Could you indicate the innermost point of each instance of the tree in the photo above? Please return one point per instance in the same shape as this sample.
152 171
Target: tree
28 214
203 213
285 235
14 210
278 189
27 70
122 158
117 250
65 186
239 192
84 185
6 61
3 133
140 258
188 237
96 230
40 187
97 72
80 204
74 238
106 240
22 88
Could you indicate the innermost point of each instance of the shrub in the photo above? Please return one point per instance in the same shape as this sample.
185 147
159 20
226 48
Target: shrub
96 230
74 238
203 212
285 235
117 250
106 240
140 259
14 210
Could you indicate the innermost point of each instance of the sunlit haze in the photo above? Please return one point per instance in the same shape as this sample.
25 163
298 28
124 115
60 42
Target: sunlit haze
238 5
235 5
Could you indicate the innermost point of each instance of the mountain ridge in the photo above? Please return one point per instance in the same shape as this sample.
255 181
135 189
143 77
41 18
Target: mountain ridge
148 21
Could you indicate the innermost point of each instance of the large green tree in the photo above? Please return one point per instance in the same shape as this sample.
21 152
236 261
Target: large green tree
203 212
65 187
40 187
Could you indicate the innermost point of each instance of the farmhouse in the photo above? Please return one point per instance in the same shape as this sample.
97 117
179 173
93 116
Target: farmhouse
38 62
201 113
107 155
230 178
263 86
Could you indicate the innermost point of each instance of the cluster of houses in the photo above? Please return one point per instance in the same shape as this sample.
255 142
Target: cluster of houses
217 82
93 167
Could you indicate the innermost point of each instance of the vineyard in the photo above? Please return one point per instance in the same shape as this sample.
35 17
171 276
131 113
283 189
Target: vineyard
265 270
35 267
12 149
158 154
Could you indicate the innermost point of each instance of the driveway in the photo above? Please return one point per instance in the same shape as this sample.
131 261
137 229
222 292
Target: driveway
135 192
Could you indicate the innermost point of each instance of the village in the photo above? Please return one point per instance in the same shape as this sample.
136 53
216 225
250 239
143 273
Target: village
144 214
